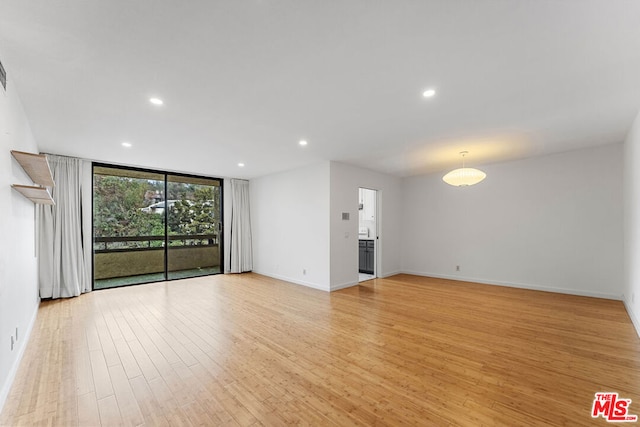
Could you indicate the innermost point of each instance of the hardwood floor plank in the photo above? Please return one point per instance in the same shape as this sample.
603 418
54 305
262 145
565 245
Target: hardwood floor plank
93 340
164 396
151 410
109 412
101 378
88 414
143 361
125 398
251 350
127 359
83 371
106 342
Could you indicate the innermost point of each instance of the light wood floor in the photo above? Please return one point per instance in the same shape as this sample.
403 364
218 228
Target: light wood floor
246 349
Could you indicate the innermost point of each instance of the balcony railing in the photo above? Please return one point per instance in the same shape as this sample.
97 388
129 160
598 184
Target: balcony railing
137 255
141 243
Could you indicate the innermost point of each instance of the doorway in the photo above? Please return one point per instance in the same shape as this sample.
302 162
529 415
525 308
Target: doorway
367 234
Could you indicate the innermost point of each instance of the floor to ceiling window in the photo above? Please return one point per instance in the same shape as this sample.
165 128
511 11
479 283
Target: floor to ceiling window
151 225
193 226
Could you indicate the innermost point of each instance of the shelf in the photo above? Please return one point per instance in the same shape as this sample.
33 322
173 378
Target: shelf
36 194
36 166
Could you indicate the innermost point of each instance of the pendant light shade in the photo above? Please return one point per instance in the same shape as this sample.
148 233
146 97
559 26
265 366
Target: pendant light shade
464 176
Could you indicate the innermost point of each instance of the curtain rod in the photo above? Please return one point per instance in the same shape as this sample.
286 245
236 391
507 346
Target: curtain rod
141 167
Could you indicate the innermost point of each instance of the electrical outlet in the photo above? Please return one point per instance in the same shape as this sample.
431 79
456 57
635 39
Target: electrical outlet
304 271
457 268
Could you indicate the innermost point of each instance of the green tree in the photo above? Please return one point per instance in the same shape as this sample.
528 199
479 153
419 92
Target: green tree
195 215
117 203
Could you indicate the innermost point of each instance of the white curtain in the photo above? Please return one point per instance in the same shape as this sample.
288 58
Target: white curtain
240 247
64 268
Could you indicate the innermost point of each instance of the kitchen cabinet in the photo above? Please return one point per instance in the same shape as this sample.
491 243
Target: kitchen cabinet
369 213
366 256
368 205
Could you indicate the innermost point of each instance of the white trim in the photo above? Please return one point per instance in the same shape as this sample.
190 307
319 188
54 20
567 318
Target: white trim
24 340
392 273
294 281
519 285
634 320
343 286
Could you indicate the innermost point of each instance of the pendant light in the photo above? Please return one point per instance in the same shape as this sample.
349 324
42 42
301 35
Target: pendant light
464 176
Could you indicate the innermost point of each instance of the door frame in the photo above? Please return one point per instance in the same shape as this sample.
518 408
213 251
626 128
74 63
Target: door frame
376 238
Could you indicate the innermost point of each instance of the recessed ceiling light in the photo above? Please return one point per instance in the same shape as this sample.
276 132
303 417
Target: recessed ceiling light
429 93
126 144
241 165
156 101
303 142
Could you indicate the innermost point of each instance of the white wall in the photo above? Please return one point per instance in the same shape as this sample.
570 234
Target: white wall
345 181
18 267
632 223
290 225
551 223
297 224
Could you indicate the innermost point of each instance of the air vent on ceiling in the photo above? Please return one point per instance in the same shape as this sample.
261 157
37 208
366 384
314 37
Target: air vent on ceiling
3 77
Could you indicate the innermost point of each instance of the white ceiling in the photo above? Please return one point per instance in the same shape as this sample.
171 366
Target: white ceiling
244 80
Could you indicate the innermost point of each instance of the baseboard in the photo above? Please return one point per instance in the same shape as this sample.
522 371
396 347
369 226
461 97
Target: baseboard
389 274
294 281
307 284
24 340
634 320
343 286
518 285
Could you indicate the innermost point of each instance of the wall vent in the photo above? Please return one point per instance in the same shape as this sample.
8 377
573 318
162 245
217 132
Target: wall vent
3 77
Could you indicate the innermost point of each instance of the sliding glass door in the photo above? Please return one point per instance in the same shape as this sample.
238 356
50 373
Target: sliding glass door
150 226
193 226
